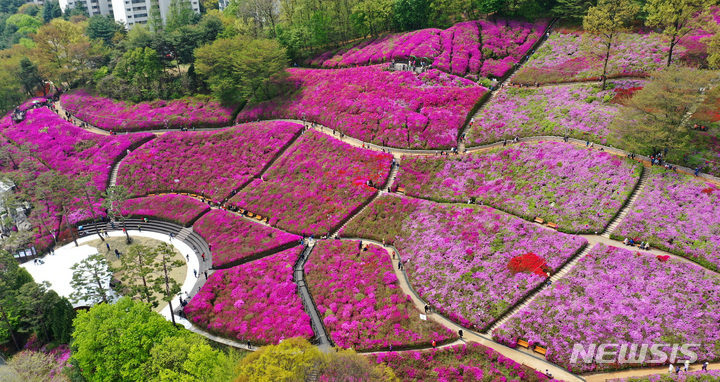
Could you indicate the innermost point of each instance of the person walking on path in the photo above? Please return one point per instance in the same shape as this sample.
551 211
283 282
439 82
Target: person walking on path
670 368
434 344
687 365
705 365
203 257
206 277
195 272
108 246
187 257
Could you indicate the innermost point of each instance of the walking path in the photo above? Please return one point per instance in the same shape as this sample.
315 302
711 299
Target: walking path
639 188
324 342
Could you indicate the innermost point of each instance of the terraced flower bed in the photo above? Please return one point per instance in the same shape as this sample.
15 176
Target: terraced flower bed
235 239
482 47
581 111
120 116
359 298
460 258
678 213
616 296
398 109
256 302
692 376
471 363
67 148
315 185
209 163
564 57
177 209
574 187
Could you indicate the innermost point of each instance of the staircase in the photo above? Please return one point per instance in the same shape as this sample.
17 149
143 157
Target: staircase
524 303
307 300
337 231
184 233
113 174
628 206
391 178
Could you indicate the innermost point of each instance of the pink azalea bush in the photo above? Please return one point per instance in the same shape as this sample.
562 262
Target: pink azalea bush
616 296
119 116
574 187
677 213
566 57
580 111
316 184
256 302
211 163
68 149
359 297
481 47
470 362
398 109
457 256
692 376
177 209
235 239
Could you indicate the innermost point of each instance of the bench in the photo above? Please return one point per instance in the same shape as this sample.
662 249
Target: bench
540 221
540 350
401 190
250 214
258 217
524 344
552 225
150 194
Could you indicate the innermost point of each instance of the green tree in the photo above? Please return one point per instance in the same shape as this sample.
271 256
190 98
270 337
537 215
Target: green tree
102 28
24 23
36 304
30 77
289 360
51 10
411 14
62 317
140 66
167 286
572 9
29 9
113 200
113 342
12 278
348 366
155 21
10 6
90 280
677 18
137 268
239 68
713 49
180 14
62 51
606 20
188 357
373 16
652 119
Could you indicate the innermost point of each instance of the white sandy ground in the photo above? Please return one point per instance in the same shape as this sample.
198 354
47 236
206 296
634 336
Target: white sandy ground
56 269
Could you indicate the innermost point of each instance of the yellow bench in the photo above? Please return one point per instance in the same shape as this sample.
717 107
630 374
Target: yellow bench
538 220
523 343
552 225
540 350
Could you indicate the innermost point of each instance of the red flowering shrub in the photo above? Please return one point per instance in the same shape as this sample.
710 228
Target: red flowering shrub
528 262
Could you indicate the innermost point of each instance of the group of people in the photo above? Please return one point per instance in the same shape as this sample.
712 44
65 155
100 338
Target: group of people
411 66
686 367
645 245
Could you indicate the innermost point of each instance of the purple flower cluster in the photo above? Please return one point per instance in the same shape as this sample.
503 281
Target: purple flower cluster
178 209
210 163
679 214
581 111
119 116
616 296
693 376
235 239
473 47
316 184
574 56
398 109
470 362
255 302
574 187
357 293
457 256
68 149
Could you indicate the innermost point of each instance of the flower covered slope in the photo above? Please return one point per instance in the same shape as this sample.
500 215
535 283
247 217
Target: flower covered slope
580 111
469 363
566 57
360 300
398 109
67 148
458 257
678 213
574 187
178 209
119 116
316 184
235 239
617 296
692 376
473 47
213 164
256 302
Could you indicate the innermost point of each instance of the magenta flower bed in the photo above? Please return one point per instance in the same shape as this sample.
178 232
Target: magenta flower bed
256 302
574 187
398 109
119 116
617 296
563 58
213 164
359 297
481 47
235 239
177 209
580 111
469 363
677 213
315 185
67 148
692 376
458 256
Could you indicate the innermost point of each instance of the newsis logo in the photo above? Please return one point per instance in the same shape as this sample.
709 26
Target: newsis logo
633 353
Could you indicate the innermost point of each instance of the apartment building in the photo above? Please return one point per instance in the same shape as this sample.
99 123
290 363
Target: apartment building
94 7
132 12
